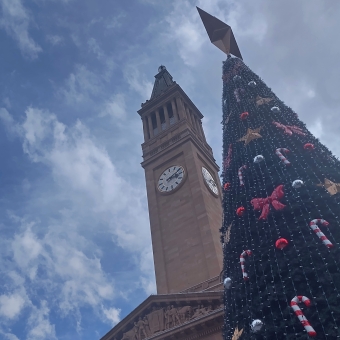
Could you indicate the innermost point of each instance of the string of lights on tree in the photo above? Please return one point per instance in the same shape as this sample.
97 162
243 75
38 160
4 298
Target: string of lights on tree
281 224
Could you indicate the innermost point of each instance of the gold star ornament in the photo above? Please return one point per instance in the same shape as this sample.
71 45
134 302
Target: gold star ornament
331 187
237 334
250 135
260 101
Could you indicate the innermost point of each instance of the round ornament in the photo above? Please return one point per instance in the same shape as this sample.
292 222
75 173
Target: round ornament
252 84
237 78
227 282
258 159
275 109
309 146
281 243
297 184
244 115
226 186
240 211
256 325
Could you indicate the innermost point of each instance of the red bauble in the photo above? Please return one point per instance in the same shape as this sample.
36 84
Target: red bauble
244 115
309 146
226 186
240 211
281 243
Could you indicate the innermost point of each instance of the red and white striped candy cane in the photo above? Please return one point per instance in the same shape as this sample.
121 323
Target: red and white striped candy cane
294 304
240 174
242 261
283 158
313 224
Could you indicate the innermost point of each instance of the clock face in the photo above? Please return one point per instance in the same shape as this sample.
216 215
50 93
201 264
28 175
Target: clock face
209 180
170 178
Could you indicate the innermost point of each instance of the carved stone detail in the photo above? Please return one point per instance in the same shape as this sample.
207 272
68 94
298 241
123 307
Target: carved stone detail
161 319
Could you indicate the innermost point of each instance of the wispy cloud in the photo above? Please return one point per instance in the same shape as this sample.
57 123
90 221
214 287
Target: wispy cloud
60 256
137 81
115 107
55 39
15 20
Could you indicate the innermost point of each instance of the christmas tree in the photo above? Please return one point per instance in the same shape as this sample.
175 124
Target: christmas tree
281 226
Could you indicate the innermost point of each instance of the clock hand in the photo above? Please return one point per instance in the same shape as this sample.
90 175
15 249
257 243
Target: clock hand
174 174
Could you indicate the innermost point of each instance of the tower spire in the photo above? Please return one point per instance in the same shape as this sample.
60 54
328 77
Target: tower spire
162 82
220 34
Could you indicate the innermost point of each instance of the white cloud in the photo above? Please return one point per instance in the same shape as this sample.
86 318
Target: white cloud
40 327
55 39
84 175
95 48
115 107
11 305
26 248
15 20
137 81
9 336
185 32
81 86
112 315
316 128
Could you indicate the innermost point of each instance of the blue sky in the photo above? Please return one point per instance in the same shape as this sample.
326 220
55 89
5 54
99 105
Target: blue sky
75 244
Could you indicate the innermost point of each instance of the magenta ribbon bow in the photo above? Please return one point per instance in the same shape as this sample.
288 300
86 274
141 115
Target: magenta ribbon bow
264 203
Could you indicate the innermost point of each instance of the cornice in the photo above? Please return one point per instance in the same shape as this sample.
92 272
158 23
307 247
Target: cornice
163 300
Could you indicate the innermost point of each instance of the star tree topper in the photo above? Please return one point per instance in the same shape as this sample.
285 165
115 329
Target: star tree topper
331 187
250 135
220 34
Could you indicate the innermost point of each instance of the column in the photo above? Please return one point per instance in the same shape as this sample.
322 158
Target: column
150 125
181 109
166 115
158 119
197 125
145 129
174 110
192 119
202 131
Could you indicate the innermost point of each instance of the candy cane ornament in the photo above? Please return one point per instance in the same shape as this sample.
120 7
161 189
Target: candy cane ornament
279 151
242 261
240 174
313 224
294 304
236 93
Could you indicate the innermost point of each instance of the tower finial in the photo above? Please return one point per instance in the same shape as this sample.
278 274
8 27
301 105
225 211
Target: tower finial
220 34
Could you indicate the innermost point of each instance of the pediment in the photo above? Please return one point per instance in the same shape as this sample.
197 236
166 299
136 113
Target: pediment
171 316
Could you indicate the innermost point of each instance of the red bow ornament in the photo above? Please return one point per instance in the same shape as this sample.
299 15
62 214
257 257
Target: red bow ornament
264 203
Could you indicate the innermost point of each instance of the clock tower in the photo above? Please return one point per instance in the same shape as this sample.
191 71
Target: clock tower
183 189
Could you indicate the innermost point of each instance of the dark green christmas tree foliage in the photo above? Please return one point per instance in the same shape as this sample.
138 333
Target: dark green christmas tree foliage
281 228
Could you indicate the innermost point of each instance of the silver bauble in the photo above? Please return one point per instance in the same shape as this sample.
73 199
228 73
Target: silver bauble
275 109
258 159
297 184
256 325
252 84
227 282
237 78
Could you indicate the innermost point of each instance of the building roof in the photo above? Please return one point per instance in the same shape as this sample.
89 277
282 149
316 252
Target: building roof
162 82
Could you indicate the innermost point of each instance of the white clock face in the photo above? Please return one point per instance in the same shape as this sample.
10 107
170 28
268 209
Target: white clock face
170 178
209 180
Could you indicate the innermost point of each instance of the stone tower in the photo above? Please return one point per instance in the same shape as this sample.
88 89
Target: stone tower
184 197
183 189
